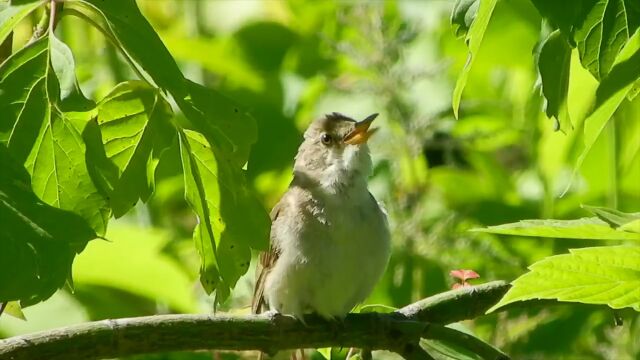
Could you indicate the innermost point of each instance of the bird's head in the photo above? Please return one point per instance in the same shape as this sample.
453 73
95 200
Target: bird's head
334 154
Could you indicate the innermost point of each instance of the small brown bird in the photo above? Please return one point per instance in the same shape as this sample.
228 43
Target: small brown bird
330 239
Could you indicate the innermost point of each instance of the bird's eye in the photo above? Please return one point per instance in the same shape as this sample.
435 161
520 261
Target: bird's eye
326 139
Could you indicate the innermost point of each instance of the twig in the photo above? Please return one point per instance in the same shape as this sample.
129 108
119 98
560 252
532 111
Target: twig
457 305
399 332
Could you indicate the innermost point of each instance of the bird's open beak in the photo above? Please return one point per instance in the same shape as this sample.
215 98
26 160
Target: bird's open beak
361 133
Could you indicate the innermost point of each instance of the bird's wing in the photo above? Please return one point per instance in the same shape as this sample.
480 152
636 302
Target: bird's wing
267 261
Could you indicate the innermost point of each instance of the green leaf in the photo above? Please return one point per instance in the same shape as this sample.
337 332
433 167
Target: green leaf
123 23
14 309
325 352
584 228
561 14
462 16
601 35
39 242
222 121
633 92
600 275
231 220
379 308
43 130
134 122
613 217
599 28
473 40
554 63
610 94
11 15
147 271
632 226
444 350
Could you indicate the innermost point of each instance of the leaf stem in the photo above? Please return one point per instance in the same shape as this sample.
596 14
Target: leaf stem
53 6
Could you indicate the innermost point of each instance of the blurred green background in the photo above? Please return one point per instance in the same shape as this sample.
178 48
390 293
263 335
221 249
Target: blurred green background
289 62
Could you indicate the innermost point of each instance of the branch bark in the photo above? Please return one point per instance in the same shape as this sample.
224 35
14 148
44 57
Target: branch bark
399 331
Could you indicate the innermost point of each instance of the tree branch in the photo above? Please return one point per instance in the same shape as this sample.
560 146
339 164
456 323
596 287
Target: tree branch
399 331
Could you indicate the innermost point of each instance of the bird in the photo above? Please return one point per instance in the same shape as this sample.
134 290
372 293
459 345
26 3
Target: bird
329 239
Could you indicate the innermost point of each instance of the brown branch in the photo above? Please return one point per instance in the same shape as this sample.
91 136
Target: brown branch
399 331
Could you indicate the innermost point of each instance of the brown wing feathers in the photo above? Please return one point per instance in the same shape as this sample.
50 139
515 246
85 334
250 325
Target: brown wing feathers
267 260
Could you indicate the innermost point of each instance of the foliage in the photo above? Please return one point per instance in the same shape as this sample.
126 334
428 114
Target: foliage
176 122
598 275
98 160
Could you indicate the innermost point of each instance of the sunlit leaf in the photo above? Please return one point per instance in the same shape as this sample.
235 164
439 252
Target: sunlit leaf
585 228
147 272
212 114
554 63
14 309
325 352
632 226
224 122
600 275
462 16
39 241
601 35
231 220
599 28
123 21
134 123
611 92
44 131
11 15
473 40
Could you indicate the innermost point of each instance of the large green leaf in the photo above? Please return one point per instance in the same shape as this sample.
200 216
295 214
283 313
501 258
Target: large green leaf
600 275
610 94
214 179
585 228
134 122
11 15
122 20
43 130
217 117
473 40
231 220
223 122
599 28
38 241
554 63
602 35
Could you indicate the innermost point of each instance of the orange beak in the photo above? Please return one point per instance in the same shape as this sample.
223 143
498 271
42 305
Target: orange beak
361 133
